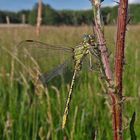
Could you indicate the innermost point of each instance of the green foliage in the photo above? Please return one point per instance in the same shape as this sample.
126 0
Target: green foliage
51 16
32 16
134 10
23 12
2 17
25 115
70 17
13 16
132 130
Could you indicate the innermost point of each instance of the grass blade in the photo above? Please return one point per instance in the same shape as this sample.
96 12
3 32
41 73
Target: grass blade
132 130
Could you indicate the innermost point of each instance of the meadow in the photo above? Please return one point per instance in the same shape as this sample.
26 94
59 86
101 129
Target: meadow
27 115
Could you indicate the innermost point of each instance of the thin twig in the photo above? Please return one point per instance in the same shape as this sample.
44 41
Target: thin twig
39 17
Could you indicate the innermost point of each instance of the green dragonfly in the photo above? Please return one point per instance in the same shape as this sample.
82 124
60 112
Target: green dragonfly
87 47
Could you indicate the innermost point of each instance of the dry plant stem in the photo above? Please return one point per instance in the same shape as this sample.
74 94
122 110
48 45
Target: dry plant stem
7 20
39 17
106 64
119 58
101 39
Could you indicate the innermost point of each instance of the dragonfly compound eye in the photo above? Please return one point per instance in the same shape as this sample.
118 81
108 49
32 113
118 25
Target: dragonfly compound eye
86 38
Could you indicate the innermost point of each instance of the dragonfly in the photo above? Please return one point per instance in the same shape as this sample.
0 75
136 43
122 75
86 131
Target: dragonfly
88 46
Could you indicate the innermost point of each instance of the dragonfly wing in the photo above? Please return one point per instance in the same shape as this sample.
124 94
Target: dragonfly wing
44 56
41 45
59 70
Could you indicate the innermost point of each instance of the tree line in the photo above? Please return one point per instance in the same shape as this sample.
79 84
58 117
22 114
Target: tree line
51 16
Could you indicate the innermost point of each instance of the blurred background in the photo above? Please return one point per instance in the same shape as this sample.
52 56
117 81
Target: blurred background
61 12
30 112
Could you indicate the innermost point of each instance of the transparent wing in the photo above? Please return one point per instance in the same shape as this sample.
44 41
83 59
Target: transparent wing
41 45
58 70
48 59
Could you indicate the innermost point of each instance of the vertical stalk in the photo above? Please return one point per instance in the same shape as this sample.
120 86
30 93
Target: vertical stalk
23 19
7 20
119 58
39 17
100 35
116 97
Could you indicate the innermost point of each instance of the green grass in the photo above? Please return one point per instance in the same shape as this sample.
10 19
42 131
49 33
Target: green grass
25 115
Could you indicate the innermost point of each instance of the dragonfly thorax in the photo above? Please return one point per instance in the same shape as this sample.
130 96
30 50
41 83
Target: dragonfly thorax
90 39
79 54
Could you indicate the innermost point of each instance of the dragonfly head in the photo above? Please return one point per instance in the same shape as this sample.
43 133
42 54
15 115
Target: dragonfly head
90 39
